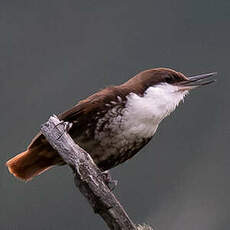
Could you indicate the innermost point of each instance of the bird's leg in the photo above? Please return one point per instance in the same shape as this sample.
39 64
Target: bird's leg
67 127
108 180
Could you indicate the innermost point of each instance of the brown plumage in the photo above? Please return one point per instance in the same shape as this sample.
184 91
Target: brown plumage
40 156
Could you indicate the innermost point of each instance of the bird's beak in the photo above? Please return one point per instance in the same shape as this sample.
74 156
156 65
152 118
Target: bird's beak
196 81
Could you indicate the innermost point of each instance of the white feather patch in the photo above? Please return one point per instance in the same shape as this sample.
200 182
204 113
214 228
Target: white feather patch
140 117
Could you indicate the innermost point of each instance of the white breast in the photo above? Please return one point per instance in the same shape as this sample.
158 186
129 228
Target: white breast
142 114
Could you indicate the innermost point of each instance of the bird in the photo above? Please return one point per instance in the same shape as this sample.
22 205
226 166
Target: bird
113 124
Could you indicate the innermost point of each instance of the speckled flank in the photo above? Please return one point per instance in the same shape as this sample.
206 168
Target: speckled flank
126 129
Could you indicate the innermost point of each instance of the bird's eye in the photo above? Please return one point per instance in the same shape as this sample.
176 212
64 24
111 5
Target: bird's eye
172 78
169 79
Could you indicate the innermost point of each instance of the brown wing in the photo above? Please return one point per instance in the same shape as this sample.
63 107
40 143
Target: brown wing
86 110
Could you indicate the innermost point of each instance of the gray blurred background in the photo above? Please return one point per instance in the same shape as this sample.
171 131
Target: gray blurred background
54 53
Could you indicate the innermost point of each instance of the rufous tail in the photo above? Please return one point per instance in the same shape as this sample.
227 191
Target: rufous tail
31 163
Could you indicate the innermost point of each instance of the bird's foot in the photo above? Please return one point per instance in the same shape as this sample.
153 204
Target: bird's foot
67 127
109 181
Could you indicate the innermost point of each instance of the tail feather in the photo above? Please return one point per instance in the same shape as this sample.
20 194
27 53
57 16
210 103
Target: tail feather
31 163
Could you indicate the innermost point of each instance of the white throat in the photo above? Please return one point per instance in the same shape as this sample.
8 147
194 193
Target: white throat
144 113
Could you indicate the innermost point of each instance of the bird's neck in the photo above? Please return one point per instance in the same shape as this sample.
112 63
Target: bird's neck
143 114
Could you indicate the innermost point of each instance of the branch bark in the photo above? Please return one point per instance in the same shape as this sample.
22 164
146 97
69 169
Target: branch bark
88 177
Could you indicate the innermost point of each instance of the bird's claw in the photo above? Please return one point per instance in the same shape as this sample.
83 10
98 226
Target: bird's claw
109 181
67 127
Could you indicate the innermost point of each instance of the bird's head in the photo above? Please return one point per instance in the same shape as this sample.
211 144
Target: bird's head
162 89
168 77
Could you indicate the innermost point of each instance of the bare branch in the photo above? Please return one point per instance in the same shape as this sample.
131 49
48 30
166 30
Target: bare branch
88 176
144 227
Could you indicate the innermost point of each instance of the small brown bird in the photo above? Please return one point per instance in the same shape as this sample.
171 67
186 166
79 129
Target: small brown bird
113 124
